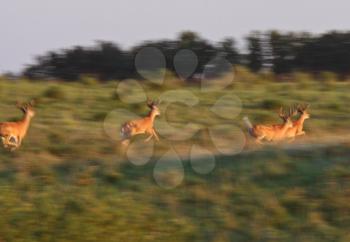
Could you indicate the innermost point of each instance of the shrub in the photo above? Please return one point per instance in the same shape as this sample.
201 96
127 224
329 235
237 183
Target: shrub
100 116
112 176
243 74
302 77
327 76
88 80
54 92
266 76
271 103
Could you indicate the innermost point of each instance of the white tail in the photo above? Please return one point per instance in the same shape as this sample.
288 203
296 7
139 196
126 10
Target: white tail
249 125
274 132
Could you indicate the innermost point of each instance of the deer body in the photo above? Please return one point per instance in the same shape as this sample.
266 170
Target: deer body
274 132
298 125
141 126
12 133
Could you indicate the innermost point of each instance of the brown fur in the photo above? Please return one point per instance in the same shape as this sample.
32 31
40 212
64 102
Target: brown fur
141 126
273 132
16 130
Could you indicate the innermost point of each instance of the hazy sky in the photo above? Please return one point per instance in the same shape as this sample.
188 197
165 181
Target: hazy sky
29 28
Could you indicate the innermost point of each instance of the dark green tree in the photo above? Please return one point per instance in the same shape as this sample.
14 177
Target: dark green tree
255 52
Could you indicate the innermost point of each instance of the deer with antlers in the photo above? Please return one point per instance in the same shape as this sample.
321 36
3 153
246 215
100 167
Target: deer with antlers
12 133
298 124
275 132
141 126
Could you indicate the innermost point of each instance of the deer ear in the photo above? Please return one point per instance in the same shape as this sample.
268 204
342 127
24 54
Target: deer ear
32 102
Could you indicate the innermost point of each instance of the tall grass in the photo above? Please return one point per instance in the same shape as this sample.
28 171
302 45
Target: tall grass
69 182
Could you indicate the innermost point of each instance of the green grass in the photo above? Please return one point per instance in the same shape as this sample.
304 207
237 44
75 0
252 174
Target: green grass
69 182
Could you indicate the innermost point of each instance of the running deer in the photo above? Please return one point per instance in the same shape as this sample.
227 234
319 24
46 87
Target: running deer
12 133
298 124
274 132
141 126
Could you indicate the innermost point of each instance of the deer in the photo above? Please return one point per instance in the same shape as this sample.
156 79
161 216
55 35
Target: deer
298 124
141 126
274 132
13 133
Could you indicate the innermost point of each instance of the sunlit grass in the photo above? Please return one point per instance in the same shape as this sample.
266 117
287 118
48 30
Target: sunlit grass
70 182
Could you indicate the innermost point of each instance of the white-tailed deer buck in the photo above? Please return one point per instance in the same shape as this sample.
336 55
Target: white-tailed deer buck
274 132
298 124
12 133
141 126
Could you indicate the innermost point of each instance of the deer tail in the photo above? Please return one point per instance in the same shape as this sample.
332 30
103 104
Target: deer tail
249 126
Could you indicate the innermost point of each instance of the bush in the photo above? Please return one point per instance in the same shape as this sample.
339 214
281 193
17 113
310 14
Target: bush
54 92
243 74
271 103
100 116
266 76
327 76
112 176
88 80
302 77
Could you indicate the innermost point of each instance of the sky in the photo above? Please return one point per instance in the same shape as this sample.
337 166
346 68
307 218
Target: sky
30 28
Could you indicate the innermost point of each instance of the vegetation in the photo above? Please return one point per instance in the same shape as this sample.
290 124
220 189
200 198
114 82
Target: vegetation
283 53
69 181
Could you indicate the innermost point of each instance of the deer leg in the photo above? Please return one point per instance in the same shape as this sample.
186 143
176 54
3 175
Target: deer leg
13 140
19 141
149 138
10 142
301 133
6 141
155 134
258 140
291 139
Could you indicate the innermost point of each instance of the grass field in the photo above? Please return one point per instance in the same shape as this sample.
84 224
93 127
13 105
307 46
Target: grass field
70 182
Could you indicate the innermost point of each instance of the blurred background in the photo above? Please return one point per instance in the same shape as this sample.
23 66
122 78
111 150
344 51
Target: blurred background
91 66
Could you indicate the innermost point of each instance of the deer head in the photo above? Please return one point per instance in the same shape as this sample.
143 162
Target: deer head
27 108
153 105
302 109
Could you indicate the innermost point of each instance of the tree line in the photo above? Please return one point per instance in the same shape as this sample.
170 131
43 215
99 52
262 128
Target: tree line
280 52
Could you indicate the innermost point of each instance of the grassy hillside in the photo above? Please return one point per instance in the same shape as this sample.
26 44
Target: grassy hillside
70 182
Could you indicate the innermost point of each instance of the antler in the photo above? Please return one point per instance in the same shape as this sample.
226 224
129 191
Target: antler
302 107
282 114
22 107
31 103
157 102
293 111
285 116
151 103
